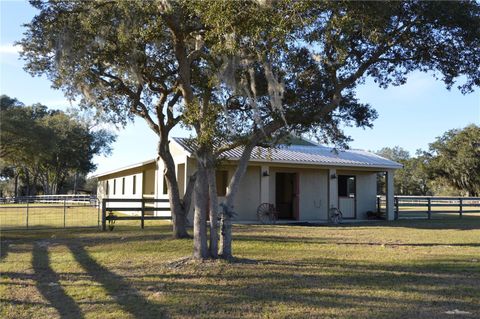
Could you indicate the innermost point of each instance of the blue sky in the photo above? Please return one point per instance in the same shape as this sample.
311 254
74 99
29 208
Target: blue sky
410 116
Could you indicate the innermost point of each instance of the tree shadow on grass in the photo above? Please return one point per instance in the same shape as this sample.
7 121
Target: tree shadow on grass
48 284
129 299
465 223
319 286
49 239
4 245
437 222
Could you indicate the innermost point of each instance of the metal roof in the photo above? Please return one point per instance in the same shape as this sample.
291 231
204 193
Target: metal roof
302 154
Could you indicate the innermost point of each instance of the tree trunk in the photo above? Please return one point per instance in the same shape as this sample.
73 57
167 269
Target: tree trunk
35 180
213 207
15 189
228 208
200 248
27 179
178 208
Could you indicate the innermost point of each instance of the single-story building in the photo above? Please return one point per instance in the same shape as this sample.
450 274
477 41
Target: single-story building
303 180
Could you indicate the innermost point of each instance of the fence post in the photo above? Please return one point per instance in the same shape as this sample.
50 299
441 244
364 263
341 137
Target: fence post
104 214
429 208
142 220
461 207
26 221
64 212
97 205
397 208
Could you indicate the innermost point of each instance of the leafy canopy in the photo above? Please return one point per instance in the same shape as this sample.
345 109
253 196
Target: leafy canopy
455 157
49 144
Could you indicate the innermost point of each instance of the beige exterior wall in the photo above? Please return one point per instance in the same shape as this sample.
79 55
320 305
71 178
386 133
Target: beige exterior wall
128 191
366 194
248 198
313 191
117 180
149 182
313 194
180 171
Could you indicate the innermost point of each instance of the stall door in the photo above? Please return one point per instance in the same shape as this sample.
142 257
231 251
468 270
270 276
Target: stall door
286 194
347 196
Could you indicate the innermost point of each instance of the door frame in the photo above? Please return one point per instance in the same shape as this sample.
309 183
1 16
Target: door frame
355 198
295 193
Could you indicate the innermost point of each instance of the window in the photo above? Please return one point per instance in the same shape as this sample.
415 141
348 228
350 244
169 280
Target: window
346 186
123 186
221 178
134 184
114 186
165 188
106 189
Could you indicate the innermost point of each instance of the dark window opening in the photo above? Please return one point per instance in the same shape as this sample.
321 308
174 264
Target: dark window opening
221 179
346 186
114 186
123 186
134 184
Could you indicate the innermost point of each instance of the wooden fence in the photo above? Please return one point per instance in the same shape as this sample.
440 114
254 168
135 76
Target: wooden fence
412 206
144 206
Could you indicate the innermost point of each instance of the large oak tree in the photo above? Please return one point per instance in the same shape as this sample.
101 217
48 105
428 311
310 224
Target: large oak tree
242 73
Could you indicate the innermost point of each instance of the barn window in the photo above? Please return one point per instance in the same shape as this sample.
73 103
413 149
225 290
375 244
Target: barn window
221 178
114 186
134 184
107 189
346 186
123 186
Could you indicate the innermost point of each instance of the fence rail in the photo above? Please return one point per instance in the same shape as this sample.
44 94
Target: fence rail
143 206
46 212
48 199
426 206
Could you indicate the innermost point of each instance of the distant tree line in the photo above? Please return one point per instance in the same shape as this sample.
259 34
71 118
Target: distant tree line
450 167
46 151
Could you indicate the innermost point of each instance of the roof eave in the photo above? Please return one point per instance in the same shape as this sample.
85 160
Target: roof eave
124 168
321 164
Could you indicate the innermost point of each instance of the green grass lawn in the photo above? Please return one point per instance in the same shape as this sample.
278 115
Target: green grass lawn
402 269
